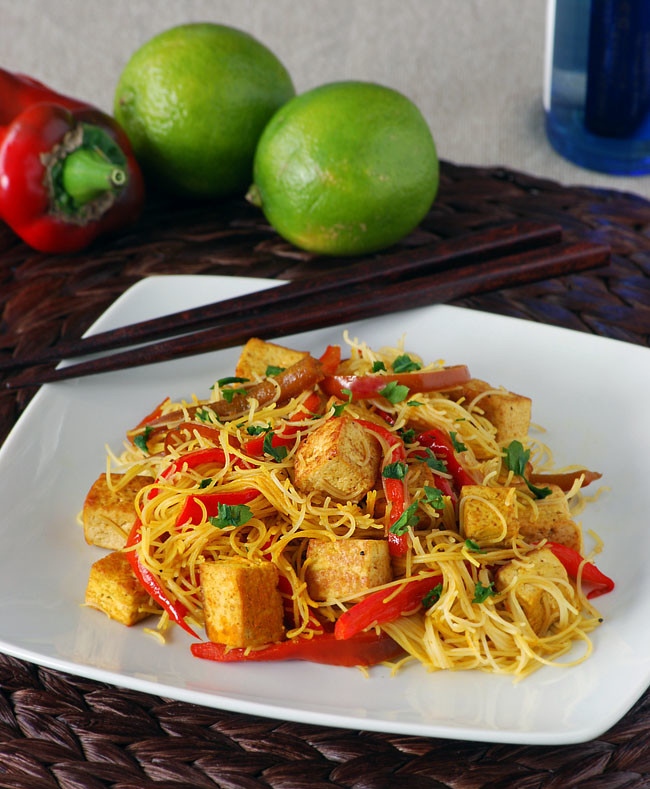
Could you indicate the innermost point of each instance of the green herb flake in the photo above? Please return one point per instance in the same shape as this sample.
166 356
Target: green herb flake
204 483
395 470
231 515
432 596
481 592
404 364
474 547
141 440
378 366
516 458
273 369
340 407
257 430
204 414
457 444
277 453
407 518
229 394
414 403
434 463
394 392
231 380
408 435
434 497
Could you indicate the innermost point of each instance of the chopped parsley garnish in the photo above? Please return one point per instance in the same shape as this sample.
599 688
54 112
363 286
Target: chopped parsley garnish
481 592
473 546
406 519
394 392
408 435
257 430
434 497
434 463
378 366
272 369
231 380
340 407
414 403
231 515
404 364
457 444
229 394
204 414
432 596
277 453
396 470
141 439
516 459
205 482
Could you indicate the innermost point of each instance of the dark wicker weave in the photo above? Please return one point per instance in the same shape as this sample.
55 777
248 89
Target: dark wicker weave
62 731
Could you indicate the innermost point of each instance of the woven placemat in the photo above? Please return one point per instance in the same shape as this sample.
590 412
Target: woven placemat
63 732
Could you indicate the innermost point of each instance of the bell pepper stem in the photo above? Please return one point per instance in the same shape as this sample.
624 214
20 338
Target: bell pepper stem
87 174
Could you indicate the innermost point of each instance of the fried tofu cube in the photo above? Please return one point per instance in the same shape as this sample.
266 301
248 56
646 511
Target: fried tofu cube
258 355
510 413
550 519
339 459
488 514
108 515
241 603
538 605
114 589
340 568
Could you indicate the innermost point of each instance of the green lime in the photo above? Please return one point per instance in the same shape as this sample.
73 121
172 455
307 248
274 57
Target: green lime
194 101
347 168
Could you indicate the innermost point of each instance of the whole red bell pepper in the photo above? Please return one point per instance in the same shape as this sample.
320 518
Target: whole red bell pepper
67 170
364 649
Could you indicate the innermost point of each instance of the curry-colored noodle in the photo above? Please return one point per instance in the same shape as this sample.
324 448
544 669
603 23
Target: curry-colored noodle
471 622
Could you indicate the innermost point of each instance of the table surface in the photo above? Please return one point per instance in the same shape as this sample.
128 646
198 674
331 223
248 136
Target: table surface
475 69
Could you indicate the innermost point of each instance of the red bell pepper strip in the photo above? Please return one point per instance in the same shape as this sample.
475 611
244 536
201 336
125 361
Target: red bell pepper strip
385 605
364 387
255 446
190 461
330 359
395 489
572 562
67 170
192 511
365 649
440 444
176 610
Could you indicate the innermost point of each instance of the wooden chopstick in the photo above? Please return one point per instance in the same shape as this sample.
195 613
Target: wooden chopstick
349 303
483 245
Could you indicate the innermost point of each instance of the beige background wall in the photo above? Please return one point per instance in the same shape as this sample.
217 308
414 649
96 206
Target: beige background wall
475 67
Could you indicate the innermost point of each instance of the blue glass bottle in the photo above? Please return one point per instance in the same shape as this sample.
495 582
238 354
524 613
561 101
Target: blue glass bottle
597 83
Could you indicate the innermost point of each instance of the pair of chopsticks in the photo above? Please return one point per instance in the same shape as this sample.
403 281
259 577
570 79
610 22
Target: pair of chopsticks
505 256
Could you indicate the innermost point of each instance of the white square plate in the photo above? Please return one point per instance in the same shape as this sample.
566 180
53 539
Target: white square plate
589 392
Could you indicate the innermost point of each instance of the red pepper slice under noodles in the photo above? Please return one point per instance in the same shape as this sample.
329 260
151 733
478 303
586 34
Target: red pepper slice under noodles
176 610
395 489
385 605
